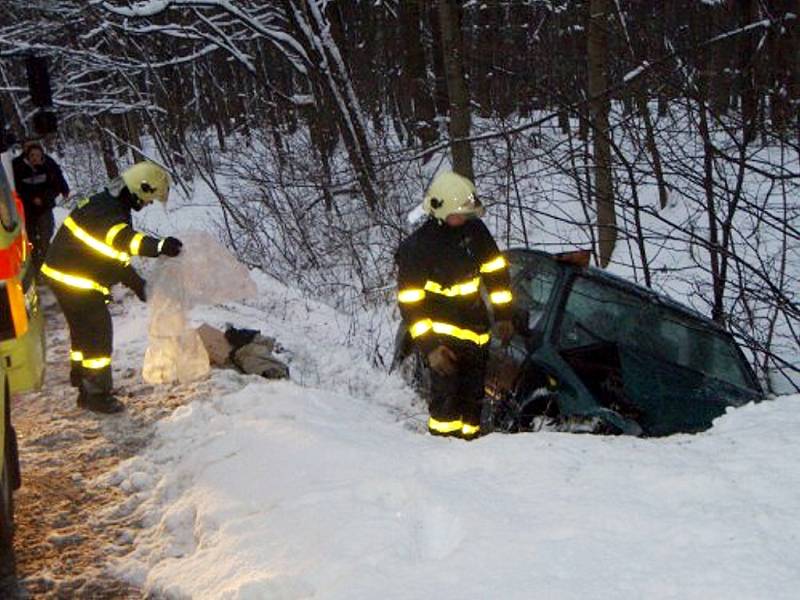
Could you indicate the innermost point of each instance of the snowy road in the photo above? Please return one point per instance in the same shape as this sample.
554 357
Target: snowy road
63 543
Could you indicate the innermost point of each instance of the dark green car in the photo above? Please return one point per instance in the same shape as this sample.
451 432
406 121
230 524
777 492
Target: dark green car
596 353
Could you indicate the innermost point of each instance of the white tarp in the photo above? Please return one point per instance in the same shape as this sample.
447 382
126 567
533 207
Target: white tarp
205 273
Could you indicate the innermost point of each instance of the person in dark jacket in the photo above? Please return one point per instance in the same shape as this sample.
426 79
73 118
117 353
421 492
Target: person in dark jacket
441 267
91 252
39 181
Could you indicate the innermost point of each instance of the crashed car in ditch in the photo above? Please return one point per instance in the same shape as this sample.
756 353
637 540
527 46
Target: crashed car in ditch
596 353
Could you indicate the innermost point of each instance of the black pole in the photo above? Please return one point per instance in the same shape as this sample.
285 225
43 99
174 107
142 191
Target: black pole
5 138
44 120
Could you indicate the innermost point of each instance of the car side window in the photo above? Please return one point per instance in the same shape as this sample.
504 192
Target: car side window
595 313
705 350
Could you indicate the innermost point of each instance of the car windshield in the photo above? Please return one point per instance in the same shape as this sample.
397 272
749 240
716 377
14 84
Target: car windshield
596 313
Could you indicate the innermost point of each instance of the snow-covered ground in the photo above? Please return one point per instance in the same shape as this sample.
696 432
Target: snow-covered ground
325 487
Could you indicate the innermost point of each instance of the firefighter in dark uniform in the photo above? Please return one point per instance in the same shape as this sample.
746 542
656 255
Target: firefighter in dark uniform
91 252
441 267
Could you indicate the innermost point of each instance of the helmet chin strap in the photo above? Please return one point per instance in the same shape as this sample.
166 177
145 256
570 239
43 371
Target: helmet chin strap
136 203
119 190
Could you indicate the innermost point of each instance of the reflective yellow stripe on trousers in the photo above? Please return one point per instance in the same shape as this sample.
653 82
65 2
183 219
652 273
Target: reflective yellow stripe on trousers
96 363
444 426
470 430
80 283
501 297
425 325
89 363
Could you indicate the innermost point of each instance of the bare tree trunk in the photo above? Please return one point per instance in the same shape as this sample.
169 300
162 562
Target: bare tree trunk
640 96
719 92
459 123
133 135
422 112
107 150
782 41
748 12
717 308
323 137
485 49
442 101
794 87
578 173
663 13
600 107
329 69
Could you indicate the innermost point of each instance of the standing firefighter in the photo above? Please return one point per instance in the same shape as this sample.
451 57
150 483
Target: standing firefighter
441 268
91 252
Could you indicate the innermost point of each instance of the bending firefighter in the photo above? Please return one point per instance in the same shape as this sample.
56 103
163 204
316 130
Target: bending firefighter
91 252
441 268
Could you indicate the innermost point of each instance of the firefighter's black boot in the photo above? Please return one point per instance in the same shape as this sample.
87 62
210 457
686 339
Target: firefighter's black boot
75 374
95 392
101 404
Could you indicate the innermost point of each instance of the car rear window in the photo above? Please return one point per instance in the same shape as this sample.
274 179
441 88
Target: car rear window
595 312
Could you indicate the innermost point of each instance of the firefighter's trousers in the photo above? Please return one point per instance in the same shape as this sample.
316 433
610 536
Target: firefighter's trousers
39 228
91 335
457 400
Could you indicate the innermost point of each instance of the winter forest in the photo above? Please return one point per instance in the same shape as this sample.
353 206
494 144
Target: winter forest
663 136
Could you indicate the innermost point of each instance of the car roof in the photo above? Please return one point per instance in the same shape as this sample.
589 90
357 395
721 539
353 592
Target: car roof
619 282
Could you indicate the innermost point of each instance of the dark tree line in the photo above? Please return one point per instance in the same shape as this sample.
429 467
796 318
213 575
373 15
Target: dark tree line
408 63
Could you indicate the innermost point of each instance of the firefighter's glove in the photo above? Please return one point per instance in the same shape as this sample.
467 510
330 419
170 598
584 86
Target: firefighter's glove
505 331
442 360
170 246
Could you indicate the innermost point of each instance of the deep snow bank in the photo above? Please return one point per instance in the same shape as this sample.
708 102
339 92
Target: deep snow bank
281 491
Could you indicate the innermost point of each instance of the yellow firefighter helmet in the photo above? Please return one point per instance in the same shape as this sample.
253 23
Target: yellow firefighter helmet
147 181
449 194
